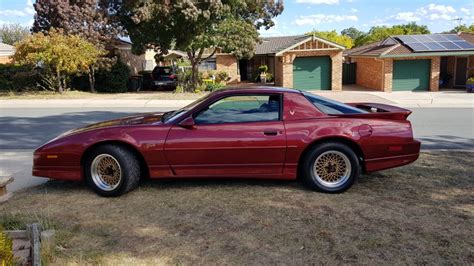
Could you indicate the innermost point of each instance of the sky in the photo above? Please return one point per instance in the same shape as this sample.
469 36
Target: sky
301 16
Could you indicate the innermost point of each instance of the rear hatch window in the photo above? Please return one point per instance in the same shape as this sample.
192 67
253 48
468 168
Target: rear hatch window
331 107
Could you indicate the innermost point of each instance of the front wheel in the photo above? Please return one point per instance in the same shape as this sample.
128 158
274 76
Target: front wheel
112 170
330 167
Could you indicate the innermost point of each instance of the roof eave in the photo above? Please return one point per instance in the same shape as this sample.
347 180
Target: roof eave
427 54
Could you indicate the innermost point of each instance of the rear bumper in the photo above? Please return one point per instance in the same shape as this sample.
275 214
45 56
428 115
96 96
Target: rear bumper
383 163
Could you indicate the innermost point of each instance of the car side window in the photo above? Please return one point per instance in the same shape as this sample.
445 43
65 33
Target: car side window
241 109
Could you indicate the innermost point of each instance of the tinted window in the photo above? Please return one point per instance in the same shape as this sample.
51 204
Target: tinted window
332 107
242 108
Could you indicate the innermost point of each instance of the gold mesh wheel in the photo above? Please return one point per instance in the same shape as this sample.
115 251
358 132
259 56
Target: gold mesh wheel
106 172
332 169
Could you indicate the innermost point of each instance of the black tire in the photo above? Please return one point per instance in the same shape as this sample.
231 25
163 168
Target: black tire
310 178
129 166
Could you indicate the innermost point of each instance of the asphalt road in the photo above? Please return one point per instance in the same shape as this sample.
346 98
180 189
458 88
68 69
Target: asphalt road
22 130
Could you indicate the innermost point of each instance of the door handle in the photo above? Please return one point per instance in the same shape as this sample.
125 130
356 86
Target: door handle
270 132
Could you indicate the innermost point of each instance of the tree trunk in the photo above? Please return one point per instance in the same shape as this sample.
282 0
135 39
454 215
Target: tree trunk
194 75
91 74
60 83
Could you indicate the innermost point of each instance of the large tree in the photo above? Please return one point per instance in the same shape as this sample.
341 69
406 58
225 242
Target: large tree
462 28
12 33
352 32
200 28
58 54
88 19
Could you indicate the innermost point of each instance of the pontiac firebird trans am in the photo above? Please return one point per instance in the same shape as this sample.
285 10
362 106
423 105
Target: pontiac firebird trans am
262 132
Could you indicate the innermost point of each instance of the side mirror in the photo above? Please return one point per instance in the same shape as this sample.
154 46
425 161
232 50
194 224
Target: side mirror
188 123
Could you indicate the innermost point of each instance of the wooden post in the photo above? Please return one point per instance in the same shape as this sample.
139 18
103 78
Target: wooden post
34 236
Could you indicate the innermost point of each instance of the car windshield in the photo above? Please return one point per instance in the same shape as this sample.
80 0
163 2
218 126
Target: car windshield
331 107
173 114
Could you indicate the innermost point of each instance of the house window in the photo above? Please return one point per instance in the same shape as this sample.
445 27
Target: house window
209 64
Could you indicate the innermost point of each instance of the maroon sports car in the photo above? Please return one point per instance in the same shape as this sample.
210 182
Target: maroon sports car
262 132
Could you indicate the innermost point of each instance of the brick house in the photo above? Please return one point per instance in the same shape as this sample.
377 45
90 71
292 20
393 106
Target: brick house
414 62
301 62
6 51
147 61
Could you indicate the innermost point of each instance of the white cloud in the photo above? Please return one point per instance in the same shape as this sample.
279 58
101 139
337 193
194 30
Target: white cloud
465 10
439 9
407 16
12 13
318 2
322 18
436 16
27 11
29 7
354 10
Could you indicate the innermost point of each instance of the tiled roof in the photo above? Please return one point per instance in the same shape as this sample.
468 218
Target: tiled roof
6 49
272 45
469 37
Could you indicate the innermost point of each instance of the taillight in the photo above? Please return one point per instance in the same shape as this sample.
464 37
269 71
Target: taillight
172 76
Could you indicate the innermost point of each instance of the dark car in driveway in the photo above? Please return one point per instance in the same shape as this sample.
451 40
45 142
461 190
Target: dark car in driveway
164 78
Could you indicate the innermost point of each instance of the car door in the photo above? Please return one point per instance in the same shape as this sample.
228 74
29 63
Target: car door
233 136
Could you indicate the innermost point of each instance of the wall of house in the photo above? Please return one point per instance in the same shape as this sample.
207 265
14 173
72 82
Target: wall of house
284 67
377 74
470 71
228 63
369 73
5 59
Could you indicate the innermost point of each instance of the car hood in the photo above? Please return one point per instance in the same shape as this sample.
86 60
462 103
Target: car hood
139 119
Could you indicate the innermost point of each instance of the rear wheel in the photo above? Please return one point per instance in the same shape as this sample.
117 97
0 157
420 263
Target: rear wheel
112 170
330 167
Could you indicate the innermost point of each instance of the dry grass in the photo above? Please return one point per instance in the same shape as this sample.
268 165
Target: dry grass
418 214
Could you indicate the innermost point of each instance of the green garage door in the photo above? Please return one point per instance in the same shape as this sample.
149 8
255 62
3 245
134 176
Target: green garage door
411 75
312 73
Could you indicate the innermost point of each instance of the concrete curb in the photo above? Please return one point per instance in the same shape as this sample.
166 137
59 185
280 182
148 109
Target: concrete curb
86 103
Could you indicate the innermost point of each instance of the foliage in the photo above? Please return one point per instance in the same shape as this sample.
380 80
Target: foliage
18 77
263 69
352 33
113 80
198 27
215 86
462 28
13 33
184 80
378 33
470 80
269 77
6 249
89 19
58 54
222 76
333 36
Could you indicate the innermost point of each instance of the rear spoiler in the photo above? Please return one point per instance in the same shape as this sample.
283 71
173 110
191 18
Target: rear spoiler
378 110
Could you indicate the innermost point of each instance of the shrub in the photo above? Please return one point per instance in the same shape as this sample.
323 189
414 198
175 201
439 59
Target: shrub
222 76
263 69
114 80
18 77
269 77
470 80
214 87
6 249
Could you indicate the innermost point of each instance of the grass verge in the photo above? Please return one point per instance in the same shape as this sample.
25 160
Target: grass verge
418 214
145 95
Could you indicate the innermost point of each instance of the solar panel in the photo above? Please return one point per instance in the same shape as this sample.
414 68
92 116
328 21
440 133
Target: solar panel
465 45
434 46
437 38
435 42
450 46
